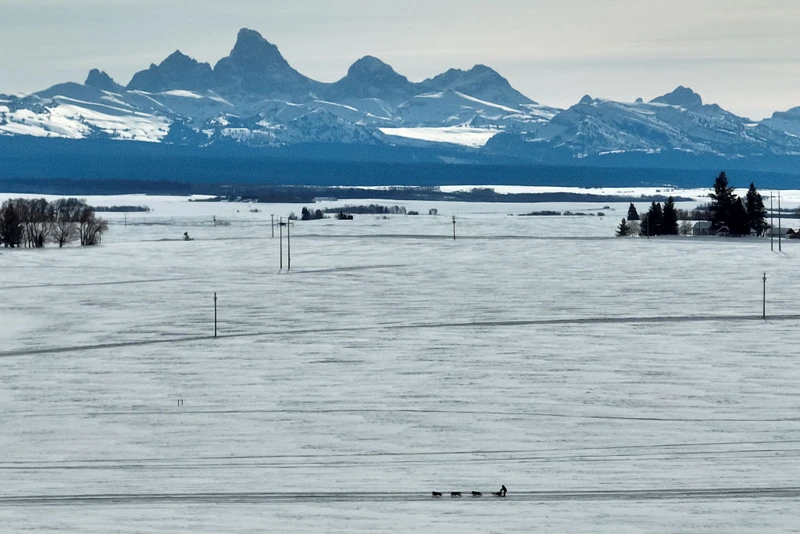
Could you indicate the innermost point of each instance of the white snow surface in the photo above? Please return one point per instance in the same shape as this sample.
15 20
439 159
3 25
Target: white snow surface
183 94
443 94
456 135
70 119
613 385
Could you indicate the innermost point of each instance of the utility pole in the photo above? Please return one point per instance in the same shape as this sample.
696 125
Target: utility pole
764 299
287 224
272 224
454 227
215 314
780 232
771 225
288 247
280 242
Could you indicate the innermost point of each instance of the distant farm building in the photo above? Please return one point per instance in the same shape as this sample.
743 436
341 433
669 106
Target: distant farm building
701 228
782 232
723 231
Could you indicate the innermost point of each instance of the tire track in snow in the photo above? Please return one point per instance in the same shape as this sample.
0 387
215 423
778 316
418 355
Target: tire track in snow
390 461
475 452
183 413
413 326
655 494
92 284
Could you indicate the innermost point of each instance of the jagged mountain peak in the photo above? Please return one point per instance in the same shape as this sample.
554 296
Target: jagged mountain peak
370 65
482 70
480 82
101 80
274 104
682 96
676 123
256 67
251 48
454 76
178 59
177 71
369 77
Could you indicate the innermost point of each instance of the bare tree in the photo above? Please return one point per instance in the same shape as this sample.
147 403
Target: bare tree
24 213
33 222
36 219
686 228
90 228
40 223
64 231
65 228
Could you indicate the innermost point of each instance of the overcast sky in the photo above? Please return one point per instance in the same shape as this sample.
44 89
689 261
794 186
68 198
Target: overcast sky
741 54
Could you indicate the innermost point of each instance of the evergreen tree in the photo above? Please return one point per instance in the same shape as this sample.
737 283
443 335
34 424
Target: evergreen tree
623 230
756 212
669 222
656 218
739 224
723 202
10 226
633 215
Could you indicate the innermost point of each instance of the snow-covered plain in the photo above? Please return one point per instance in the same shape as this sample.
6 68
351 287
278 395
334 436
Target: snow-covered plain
613 385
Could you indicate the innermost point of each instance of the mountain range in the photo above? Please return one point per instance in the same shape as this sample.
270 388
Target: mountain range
255 98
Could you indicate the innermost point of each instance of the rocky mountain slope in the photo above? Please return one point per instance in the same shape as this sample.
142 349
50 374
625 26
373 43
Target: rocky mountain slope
254 97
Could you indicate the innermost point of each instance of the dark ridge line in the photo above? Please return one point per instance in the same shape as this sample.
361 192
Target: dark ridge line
516 496
348 269
771 454
183 412
90 284
472 324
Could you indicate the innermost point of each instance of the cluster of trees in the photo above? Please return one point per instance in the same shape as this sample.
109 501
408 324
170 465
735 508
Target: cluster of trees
374 209
123 209
308 215
740 216
34 222
657 221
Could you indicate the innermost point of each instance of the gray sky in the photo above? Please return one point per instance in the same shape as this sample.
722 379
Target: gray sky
741 54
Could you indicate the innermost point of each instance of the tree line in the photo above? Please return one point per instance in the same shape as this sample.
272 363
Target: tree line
372 209
34 222
726 212
657 221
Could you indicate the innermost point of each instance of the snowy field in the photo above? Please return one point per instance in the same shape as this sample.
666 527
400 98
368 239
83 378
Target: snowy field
613 385
457 135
